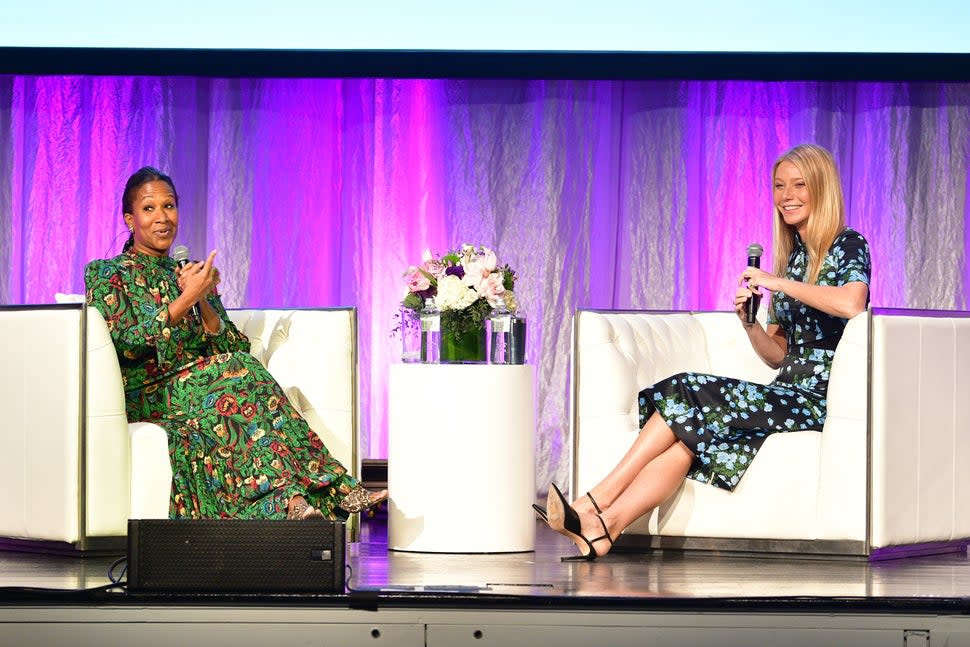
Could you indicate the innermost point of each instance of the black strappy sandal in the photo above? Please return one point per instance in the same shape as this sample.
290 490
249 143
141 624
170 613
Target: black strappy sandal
565 520
545 515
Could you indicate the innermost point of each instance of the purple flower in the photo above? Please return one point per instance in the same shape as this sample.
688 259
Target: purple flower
455 270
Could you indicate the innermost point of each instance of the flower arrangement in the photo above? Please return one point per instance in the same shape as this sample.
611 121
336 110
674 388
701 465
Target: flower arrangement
465 284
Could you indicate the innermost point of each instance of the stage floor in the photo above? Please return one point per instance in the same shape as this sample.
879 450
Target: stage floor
644 577
770 596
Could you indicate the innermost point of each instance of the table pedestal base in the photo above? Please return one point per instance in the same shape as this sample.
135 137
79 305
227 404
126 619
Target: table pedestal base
461 470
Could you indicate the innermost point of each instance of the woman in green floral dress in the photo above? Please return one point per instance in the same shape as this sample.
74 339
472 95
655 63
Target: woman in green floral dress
237 446
709 428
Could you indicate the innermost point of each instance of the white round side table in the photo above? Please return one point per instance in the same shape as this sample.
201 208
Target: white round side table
461 471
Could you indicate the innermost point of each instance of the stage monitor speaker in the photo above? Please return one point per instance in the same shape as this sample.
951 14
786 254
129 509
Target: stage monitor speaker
235 556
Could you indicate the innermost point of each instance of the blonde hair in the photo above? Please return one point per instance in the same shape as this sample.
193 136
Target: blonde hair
827 218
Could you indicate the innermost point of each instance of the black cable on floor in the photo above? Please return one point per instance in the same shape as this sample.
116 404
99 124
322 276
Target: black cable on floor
111 569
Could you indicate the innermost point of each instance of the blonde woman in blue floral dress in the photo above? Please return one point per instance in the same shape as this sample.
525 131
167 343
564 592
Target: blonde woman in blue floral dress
709 428
238 448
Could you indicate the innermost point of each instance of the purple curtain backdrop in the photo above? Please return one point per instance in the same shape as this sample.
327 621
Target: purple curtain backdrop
607 194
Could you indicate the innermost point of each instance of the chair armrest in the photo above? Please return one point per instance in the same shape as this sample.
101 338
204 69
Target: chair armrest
39 395
107 453
842 492
919 446
66 436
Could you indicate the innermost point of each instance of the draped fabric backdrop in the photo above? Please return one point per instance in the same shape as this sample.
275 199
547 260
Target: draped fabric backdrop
605 194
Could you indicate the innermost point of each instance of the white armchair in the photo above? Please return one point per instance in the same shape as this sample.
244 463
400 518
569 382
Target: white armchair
882 479
81 471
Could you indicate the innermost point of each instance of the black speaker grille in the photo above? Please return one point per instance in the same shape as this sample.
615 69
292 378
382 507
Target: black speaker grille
235 556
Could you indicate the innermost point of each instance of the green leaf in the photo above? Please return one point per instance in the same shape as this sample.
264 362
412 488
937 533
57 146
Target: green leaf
413 301
508 278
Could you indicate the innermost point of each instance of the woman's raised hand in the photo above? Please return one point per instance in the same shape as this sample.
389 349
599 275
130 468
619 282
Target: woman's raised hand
755 278
196 280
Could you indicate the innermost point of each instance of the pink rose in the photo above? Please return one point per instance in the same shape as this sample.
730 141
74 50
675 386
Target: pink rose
416 279
493 289
432 265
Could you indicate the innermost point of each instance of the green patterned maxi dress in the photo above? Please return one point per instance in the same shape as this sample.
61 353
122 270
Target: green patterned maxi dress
237 446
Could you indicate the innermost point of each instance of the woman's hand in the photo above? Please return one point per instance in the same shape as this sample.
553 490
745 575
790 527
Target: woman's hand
215 274
756 278
740 300
751 280
769 343
197 280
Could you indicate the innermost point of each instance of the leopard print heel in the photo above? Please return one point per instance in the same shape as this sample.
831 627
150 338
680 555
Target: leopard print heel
302 511
360 499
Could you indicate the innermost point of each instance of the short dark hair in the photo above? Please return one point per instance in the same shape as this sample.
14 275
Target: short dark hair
142 176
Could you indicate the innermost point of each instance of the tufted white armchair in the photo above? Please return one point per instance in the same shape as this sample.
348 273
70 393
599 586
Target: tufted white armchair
77 471
883 478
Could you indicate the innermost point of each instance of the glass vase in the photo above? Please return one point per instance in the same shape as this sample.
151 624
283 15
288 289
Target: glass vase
409 325
466 348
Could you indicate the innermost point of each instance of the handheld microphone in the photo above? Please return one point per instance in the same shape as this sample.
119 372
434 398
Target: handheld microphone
754 260
181 256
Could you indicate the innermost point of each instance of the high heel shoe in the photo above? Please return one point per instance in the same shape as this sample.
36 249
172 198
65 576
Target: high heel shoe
360 499
303 510
564 519
545 515
589 495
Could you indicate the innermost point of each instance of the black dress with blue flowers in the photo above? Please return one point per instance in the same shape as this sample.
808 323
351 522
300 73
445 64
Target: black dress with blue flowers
724 421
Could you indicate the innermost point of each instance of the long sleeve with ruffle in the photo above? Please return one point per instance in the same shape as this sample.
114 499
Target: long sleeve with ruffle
132 292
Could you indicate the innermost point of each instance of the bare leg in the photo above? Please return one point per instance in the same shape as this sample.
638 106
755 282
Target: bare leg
653 440
655 483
